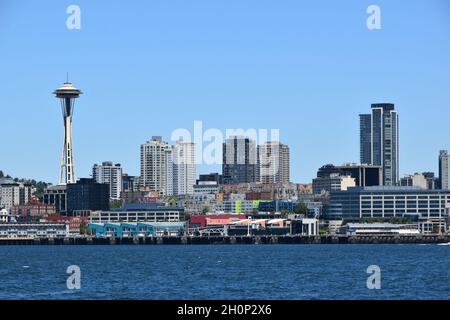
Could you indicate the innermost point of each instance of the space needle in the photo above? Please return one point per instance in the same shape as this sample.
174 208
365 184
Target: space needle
67 95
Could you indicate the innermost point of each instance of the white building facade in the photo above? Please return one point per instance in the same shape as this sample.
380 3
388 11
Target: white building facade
274 162
156 168
184 168
110 174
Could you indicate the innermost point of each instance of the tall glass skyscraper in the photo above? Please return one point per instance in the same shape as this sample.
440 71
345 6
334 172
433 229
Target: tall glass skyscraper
239 161
379 140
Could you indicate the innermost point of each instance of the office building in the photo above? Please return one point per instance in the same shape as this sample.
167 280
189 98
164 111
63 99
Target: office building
56 196
240 164
184 168
130 183
333 182
157 166
379 141
416 180
444 170
87 195
388 202
365 175
111 174
274 162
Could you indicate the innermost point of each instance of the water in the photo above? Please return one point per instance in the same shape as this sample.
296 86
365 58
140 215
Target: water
226 272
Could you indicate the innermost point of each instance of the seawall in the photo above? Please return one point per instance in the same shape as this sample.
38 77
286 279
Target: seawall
222 240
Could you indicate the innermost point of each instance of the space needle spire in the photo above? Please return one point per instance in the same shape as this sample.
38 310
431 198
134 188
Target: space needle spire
67 95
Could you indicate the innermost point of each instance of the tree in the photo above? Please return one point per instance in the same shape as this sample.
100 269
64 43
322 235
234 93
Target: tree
114 204
300 208
205 210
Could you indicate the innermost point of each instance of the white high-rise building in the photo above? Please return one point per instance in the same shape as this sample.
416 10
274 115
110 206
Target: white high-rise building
14 194
274 162
444 170
156 170
110 174
184 168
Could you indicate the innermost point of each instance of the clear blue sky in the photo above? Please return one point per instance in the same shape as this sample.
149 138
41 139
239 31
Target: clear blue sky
148 67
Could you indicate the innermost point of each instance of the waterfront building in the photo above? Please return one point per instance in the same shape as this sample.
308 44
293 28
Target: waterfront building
157 166
33 230
157 214
365 175
57 196
334 182
379 141
86 195
14 194
203 221
240 164
137 229
274 162
374 229
74 223
388 202
444 170
111 174
184 168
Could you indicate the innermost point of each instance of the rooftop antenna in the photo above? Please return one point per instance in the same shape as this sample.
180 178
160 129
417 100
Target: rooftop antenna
67 77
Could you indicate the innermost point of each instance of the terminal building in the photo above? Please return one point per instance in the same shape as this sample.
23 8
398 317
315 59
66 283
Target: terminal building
388 202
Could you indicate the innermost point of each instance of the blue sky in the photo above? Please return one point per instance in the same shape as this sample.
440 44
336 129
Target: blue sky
146 68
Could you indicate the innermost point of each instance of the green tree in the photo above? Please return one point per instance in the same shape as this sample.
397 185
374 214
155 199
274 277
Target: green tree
300 208
205 210
115 204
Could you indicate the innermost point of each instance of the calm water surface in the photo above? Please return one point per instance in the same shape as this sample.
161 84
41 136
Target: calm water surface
226 272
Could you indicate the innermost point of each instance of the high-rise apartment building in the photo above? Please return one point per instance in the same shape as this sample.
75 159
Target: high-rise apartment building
184 168
444 170
274 162
157 166
240 163
379 141
14 194
110 174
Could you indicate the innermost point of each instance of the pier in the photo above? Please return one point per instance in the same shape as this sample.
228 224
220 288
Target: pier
233 240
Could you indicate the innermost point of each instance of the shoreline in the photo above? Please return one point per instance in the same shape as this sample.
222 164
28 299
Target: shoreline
234 240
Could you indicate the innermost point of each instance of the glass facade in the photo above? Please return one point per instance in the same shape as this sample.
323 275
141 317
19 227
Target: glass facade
387 202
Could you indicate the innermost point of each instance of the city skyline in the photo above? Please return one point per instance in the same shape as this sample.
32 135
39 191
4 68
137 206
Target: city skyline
258 77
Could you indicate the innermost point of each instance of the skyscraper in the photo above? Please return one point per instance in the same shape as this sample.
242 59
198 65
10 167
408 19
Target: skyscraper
274 162
157 166
239 160
110 174
184 168
379 141
444 170
67 95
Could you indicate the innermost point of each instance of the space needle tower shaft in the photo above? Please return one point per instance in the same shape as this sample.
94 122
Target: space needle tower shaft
67 95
